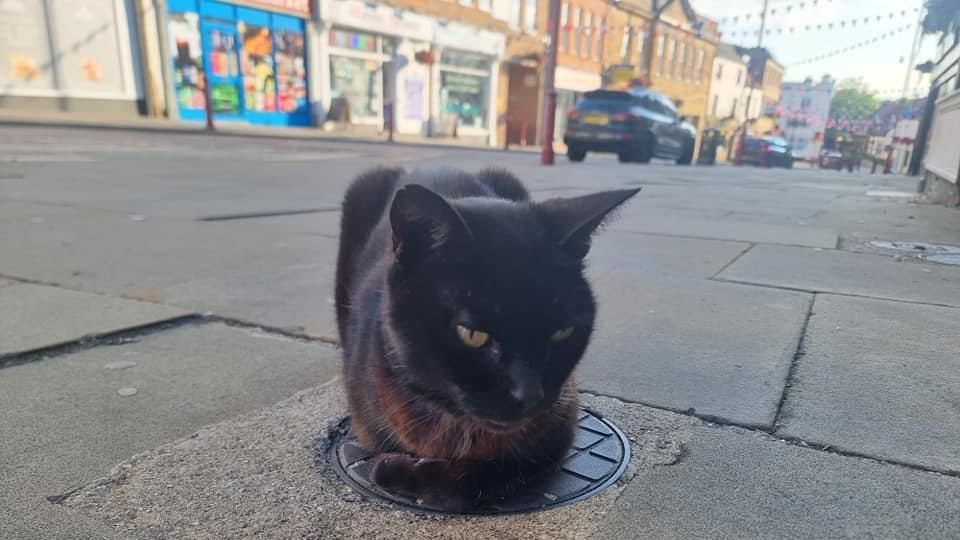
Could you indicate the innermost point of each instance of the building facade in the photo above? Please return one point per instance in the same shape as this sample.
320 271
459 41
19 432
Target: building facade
802 115
729 97
70 55
729 90
679 62
444 68
766 76
591 34
937 155
251 56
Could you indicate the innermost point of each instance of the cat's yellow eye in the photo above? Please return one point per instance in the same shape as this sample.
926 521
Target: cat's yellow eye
472 338
563 334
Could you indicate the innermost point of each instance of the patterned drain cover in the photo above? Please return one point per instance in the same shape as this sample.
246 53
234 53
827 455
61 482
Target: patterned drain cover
599 457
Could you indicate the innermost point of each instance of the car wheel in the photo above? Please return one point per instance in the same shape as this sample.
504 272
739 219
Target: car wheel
686 156
576 155
625 156
644 153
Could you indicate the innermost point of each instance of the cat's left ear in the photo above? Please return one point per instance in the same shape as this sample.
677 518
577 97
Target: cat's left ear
423 222
572 221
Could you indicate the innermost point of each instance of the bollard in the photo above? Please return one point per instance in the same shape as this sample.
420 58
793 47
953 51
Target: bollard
506 133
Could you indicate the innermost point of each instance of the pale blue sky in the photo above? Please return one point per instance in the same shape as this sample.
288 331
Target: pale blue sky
882 65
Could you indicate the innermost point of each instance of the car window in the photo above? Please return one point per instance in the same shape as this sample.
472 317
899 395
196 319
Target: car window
668 108
603 105
648 103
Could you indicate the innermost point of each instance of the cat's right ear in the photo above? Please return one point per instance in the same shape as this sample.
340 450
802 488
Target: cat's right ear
423 222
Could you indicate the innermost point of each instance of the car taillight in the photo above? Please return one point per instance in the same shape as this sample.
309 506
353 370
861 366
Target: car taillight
573 114
765 149
620 117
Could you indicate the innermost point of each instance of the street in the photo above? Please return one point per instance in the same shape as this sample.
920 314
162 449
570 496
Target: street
168 356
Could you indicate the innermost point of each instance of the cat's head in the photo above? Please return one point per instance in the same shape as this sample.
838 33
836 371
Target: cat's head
489 310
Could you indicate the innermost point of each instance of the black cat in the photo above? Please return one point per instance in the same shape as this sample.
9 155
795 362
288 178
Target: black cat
462 310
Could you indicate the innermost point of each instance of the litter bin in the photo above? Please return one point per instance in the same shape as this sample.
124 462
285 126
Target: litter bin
710 141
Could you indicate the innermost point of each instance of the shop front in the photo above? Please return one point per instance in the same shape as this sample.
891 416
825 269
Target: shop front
370 52
466 80
253 54
571 85
69 55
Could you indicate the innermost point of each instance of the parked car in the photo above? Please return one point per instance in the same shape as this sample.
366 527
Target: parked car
768 151
637 125
831 159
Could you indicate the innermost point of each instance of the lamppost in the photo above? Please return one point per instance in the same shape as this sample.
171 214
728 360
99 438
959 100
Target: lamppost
550 92
751 80
738 159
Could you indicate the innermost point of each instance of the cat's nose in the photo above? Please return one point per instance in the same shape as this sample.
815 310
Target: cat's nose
528 395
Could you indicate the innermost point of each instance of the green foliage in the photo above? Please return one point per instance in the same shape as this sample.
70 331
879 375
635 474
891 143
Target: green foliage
852 100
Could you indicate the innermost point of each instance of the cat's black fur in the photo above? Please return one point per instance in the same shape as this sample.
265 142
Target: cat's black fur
423 252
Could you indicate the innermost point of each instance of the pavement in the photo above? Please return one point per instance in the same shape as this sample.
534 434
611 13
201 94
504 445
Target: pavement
168 366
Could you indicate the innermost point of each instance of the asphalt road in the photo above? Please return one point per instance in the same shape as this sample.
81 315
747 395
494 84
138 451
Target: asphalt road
807 380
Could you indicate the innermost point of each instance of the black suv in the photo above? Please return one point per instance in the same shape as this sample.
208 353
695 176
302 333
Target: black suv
637 125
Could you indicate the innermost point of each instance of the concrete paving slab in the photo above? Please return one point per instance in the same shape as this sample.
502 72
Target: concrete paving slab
721 349
847 273
6 282
260 476
37 316
879 378
734 485
297 298
723 229
70 423
660 256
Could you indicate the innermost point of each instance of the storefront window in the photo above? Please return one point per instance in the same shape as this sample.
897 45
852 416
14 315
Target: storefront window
291 70
464 59
256 61
87 41
253 61
187 60
224 95
464 96
26 62
357 81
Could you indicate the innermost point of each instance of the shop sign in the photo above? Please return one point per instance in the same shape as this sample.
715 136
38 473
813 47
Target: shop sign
379 19
295 7
576 80
461 36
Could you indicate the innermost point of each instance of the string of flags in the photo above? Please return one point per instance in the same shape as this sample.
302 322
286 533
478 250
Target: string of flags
857 45
770 12
846 23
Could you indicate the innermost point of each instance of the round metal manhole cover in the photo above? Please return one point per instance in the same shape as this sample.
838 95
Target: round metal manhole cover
598 458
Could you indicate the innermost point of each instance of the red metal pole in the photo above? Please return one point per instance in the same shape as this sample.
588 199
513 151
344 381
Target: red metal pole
207 102
549 92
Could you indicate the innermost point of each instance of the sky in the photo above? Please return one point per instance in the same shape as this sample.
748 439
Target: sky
881 65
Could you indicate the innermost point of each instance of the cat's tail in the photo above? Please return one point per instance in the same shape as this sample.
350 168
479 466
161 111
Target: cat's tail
364 204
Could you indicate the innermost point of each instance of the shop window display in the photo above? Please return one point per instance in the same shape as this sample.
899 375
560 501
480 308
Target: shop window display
464 96
356 80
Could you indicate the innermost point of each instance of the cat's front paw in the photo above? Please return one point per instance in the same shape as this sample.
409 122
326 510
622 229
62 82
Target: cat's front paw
395 472
429 480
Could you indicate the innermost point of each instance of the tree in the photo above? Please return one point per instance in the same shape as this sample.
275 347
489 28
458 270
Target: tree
852 100
940 14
